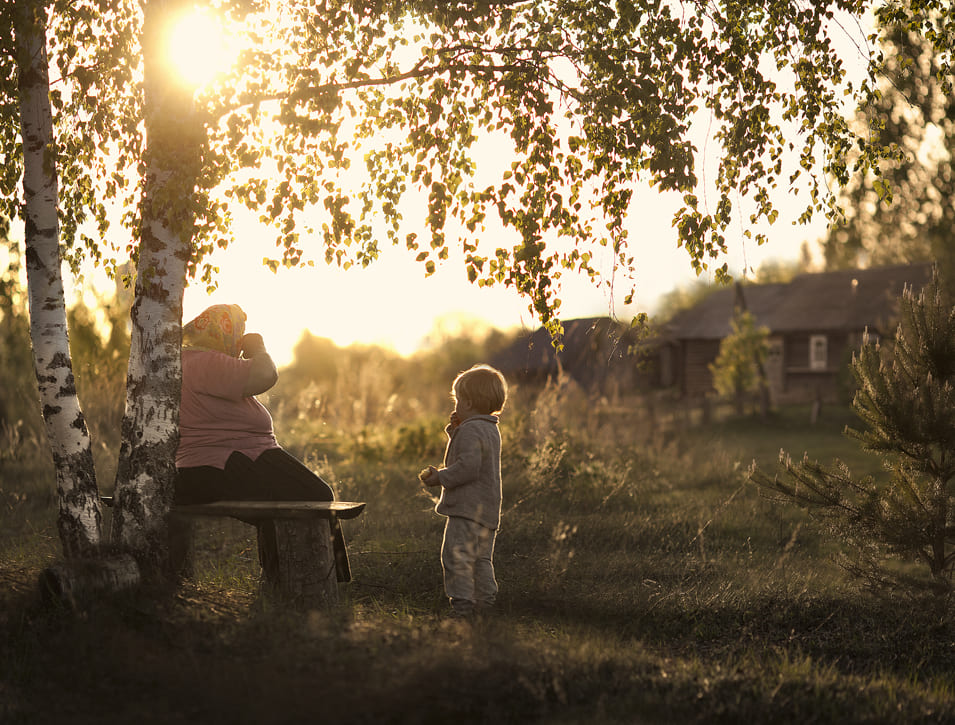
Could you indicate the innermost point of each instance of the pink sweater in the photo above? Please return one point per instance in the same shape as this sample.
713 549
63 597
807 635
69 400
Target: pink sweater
214 419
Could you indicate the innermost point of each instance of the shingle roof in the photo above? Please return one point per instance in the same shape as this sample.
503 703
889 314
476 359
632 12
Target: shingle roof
843 300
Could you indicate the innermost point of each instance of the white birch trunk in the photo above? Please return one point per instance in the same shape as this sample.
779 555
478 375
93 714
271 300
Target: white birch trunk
150 435
80 516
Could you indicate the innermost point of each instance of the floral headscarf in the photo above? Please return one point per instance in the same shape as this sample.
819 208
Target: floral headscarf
217 328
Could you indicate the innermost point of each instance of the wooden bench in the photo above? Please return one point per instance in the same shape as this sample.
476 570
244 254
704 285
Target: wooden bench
304 573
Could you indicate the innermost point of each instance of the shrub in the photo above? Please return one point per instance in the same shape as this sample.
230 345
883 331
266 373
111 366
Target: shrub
736 370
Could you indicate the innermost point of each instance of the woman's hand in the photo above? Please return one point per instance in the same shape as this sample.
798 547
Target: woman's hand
251 344
263 373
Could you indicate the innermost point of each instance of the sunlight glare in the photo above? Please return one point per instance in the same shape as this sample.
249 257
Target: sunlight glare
199 48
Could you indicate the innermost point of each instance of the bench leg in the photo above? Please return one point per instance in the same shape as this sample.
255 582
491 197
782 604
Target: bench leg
181 546
298 561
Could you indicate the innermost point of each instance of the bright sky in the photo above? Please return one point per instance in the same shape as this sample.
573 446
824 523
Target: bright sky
392 303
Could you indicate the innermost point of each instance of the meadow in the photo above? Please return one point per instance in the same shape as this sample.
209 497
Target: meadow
643 579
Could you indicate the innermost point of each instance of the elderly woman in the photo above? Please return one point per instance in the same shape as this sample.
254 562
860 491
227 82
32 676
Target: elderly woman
227 447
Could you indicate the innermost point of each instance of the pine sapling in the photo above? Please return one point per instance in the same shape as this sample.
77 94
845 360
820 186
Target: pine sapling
899 531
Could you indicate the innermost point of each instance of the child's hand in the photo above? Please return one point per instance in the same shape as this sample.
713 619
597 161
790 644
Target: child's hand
428 476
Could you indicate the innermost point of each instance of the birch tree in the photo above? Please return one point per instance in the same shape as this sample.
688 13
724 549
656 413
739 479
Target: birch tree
79 521
86 105
146 470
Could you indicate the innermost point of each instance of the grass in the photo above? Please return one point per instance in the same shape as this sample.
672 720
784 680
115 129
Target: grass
643 580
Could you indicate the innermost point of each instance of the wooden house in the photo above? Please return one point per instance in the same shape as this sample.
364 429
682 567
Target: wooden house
815 322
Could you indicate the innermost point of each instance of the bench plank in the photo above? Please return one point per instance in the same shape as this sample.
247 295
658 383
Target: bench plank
275 509
343 510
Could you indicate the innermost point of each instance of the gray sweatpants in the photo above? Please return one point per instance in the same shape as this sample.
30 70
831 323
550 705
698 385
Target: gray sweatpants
466 558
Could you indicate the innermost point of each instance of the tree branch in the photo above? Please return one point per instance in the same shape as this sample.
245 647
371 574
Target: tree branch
421 69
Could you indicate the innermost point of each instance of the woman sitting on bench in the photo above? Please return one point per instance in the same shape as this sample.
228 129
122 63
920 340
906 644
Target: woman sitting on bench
227 447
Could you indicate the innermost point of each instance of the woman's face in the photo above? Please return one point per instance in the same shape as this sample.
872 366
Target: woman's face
237 335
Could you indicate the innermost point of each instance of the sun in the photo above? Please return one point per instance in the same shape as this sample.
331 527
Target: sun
199 48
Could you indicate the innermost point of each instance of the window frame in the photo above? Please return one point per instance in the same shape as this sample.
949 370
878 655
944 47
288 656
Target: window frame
818 343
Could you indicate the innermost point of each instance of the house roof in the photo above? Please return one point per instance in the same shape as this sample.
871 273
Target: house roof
592 346
844 300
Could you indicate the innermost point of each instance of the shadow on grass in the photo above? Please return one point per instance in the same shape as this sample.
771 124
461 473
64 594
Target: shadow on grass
202 657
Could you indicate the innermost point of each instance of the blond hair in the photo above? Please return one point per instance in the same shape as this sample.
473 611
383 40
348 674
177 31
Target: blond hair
483 387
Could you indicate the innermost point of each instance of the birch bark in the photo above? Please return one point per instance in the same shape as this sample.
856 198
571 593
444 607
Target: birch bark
80 517
150 435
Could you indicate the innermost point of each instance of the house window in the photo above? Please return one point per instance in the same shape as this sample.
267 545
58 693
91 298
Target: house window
818 352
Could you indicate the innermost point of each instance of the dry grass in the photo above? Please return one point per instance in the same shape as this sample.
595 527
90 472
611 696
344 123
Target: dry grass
642 581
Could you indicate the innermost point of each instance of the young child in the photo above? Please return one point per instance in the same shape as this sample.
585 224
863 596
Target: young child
470 482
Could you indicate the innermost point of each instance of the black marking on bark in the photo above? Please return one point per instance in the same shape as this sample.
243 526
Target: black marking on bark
78 469
30 233
137 506
60 360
